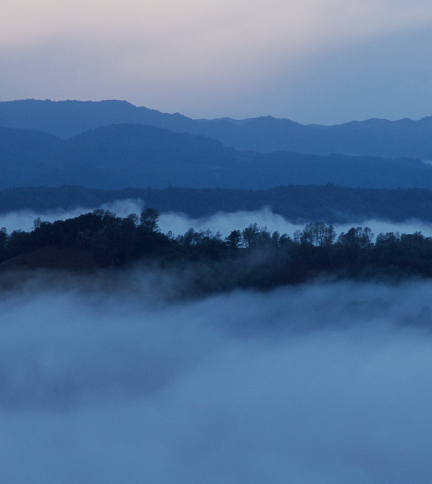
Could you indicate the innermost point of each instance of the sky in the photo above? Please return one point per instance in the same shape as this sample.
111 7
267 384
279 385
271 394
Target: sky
313 61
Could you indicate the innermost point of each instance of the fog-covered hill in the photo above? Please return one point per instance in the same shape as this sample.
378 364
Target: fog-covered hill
118 156
377 137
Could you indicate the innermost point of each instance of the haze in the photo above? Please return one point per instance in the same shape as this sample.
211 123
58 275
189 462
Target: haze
321 61
317 384
125 376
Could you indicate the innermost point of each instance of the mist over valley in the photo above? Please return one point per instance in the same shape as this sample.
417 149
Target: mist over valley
320 383
183 303
215 242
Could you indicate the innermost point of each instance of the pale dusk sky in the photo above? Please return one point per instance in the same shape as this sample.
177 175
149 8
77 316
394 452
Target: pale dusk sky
313 61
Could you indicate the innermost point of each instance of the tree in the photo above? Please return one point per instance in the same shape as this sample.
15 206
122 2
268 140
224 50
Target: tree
250 236
234 239
318 234
3 238
149 220
355 241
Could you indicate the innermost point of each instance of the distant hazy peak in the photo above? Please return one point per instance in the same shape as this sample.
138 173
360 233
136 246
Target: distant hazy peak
377 137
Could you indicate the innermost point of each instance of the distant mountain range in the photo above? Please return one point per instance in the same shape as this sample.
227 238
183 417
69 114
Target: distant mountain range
374 137
119 156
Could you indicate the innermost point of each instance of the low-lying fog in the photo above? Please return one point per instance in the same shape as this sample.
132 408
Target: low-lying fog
113 384
226 222
221 222
109 381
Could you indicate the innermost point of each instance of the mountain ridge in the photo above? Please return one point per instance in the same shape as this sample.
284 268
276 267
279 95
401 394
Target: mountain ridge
117 156
265 134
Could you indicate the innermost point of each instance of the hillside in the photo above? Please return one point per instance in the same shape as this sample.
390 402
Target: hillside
374 137
118 156
249 258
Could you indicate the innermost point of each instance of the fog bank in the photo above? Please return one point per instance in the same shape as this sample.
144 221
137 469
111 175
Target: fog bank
226 222
317 384
221 222
24 219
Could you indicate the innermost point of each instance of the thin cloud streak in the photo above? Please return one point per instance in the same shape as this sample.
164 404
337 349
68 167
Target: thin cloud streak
226 222
222 222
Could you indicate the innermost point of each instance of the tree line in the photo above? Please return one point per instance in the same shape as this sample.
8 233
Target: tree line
250 258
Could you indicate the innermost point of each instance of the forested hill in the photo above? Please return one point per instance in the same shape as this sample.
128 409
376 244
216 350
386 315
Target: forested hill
118 156
376 137
248 258
308 203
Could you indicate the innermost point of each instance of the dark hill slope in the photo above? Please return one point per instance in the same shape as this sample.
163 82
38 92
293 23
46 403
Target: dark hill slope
376 137
329 203
25 155
118 156
204 263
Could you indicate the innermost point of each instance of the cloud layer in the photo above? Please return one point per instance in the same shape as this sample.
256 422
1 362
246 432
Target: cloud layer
103 383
